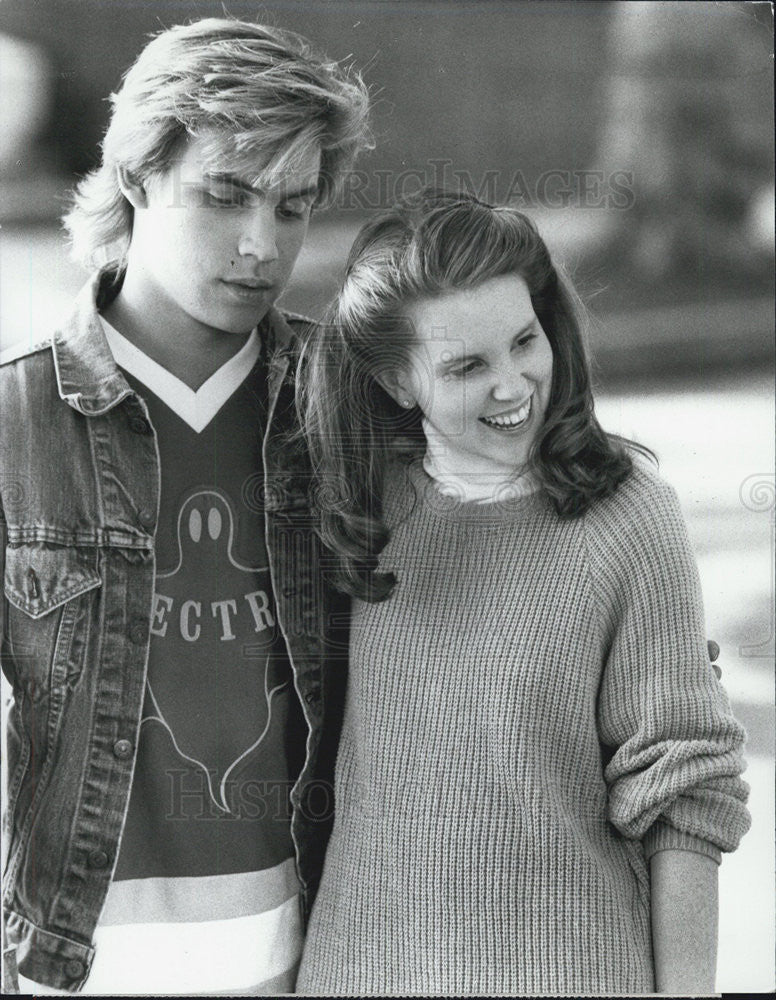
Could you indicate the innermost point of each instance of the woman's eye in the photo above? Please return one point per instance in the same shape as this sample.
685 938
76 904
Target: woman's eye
464 370
525 340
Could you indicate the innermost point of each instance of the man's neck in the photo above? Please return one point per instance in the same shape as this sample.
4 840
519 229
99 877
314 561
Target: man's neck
189 350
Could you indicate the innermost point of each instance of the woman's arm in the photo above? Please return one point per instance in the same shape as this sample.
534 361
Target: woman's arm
684 921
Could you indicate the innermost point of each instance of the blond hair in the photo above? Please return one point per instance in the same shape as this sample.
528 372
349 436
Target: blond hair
262 91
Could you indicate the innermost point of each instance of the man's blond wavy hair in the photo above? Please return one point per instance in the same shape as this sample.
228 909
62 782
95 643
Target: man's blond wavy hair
260 93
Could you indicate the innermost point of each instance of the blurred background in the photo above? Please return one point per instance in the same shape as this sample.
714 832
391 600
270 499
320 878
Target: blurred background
640 138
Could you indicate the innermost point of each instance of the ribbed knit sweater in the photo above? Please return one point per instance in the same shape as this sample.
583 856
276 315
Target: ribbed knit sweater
529 717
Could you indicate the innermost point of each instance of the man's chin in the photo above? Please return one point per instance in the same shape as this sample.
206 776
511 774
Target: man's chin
240 321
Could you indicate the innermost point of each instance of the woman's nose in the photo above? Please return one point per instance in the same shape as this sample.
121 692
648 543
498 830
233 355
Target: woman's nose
509 383
259 238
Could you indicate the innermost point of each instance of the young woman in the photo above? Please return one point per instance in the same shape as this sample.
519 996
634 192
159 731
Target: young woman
538 767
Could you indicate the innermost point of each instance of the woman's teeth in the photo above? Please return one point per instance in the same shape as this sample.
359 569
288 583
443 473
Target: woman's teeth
508 421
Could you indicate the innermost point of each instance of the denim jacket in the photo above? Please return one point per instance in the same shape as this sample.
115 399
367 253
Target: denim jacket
79 495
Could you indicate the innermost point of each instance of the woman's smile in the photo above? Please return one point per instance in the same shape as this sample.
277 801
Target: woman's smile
510 420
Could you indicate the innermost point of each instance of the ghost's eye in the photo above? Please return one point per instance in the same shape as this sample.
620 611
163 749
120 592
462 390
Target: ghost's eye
195 525
214 523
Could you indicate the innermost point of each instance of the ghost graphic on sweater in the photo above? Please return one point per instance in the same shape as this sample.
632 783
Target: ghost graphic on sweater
211 681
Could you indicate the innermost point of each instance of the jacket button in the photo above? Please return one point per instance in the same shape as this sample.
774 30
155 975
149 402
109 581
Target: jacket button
139 425
138 631
98 859
313 697
74 969
147 518
122 749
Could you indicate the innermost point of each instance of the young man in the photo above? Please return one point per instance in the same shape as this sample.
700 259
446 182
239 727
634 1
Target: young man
169 642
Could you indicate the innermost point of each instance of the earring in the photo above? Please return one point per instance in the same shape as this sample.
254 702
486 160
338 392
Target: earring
407 403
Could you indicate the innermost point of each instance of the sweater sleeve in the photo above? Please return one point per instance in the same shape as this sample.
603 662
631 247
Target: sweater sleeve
673 777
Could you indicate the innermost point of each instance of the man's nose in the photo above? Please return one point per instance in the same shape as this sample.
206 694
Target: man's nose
259 238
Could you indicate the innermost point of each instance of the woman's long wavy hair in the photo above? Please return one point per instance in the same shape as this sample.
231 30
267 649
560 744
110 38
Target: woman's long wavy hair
433 244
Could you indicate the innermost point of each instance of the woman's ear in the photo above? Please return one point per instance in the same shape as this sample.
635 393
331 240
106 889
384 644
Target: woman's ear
131 188
396 387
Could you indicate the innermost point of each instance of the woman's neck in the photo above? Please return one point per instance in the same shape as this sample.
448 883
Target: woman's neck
470 477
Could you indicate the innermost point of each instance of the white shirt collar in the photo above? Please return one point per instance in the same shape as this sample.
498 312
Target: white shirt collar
196 408
455 475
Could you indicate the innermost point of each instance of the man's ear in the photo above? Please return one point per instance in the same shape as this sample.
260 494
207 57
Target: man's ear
132 189
396 387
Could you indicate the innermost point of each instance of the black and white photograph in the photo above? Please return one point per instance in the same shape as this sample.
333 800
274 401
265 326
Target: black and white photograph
387 497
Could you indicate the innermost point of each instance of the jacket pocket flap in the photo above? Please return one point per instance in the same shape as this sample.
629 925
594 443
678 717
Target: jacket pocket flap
40 578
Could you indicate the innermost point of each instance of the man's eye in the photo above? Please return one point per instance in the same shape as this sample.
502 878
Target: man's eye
293 210
228 199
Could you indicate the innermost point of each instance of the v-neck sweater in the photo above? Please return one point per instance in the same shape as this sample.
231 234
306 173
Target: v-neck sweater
529 717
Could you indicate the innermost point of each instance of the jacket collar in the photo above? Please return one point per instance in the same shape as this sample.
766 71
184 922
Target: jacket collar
282 337
88 378
279 352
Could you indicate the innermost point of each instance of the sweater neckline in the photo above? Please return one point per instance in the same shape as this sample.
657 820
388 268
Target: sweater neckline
449 508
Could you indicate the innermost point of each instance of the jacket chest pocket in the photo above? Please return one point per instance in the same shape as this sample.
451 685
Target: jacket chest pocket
49 592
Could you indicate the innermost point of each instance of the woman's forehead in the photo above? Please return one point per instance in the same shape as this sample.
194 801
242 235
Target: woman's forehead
500 305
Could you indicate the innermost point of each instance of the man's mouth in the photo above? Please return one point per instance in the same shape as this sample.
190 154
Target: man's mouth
510 420
252 284
251 290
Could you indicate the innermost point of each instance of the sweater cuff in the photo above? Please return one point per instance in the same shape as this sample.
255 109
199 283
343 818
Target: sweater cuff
662 837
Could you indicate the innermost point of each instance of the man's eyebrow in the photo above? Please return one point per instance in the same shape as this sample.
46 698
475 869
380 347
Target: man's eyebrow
305 192
457 359
238 182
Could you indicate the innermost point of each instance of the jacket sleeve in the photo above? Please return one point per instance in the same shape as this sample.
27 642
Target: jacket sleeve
674 775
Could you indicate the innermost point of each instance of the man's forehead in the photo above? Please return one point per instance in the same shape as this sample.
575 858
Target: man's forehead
215 156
